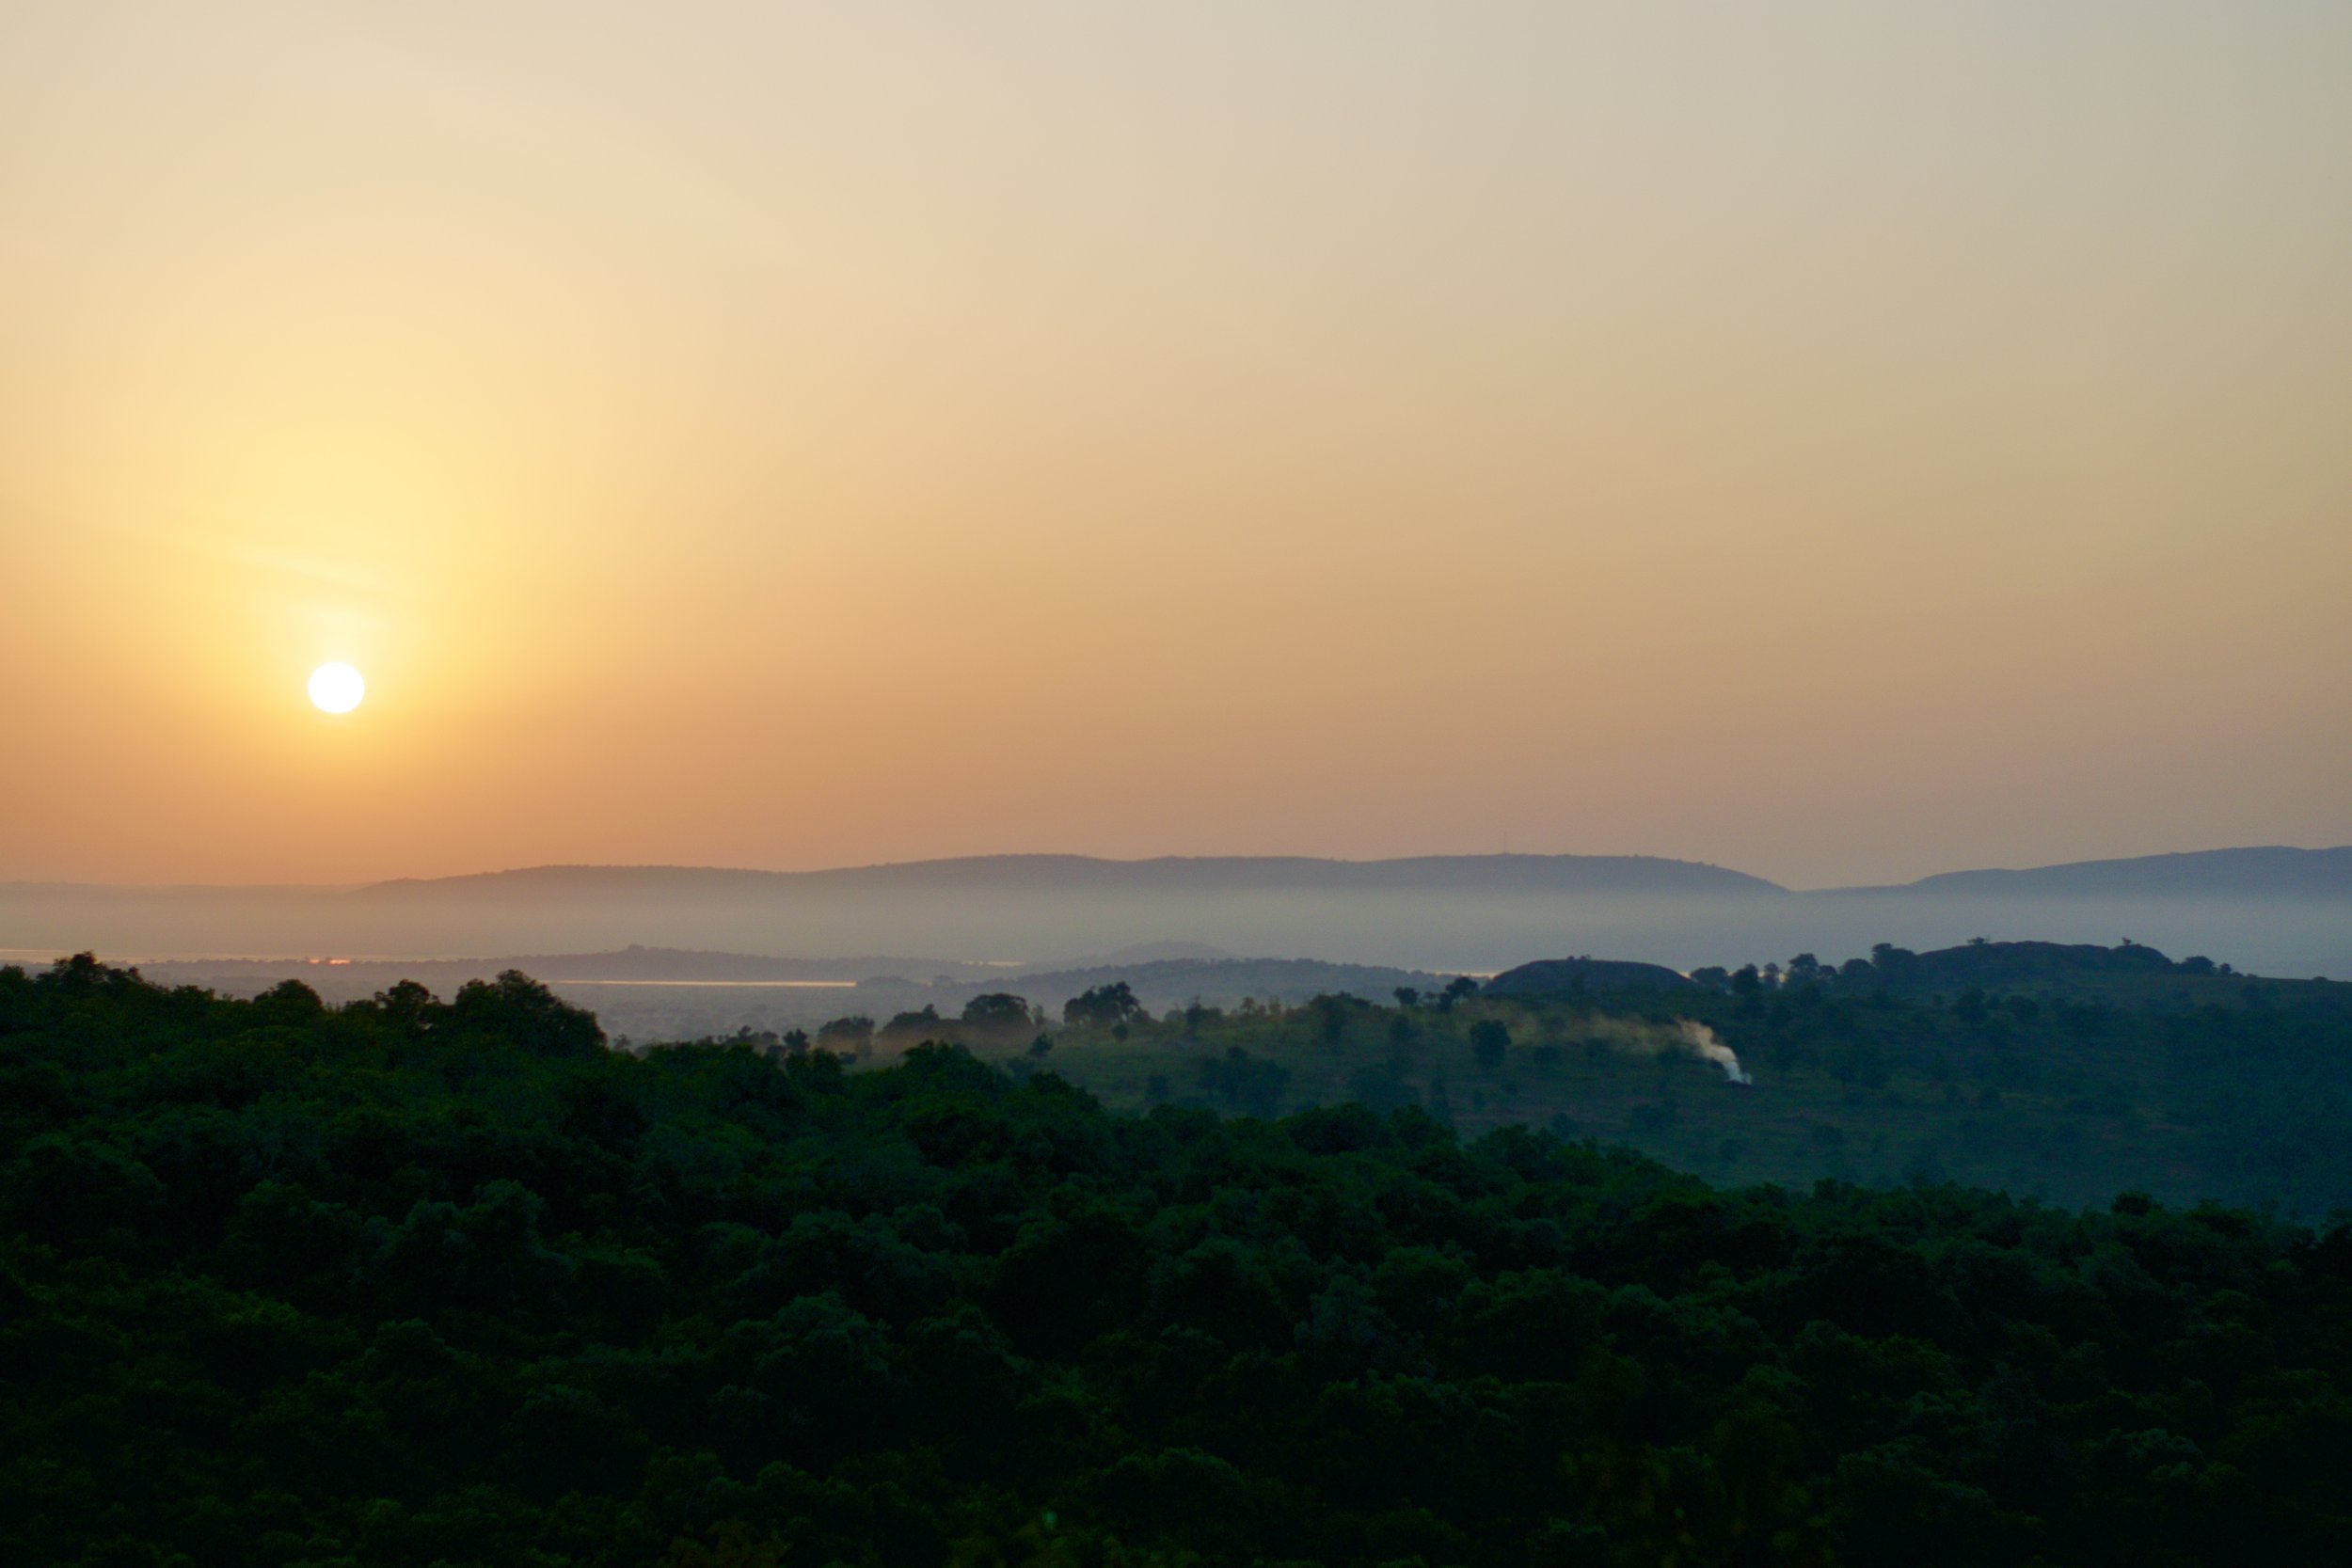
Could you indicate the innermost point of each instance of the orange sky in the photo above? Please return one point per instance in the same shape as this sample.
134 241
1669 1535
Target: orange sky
1840 441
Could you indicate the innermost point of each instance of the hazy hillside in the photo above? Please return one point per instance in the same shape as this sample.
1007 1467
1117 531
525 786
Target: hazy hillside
2270 872
1082 873
1445 913
1224 982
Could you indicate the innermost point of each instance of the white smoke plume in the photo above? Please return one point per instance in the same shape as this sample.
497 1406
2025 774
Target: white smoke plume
1651 1039
1702 1041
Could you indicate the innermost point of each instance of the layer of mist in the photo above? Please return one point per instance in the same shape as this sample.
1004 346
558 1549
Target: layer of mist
1476 915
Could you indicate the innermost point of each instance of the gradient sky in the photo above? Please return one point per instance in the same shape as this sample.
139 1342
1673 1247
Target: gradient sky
1844 441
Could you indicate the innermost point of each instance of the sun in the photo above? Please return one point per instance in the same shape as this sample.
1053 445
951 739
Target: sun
336 687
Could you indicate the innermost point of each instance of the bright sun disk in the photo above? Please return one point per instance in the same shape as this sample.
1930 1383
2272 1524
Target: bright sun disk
336 687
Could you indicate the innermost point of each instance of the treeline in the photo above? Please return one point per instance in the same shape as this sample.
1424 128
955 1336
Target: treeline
414 1283
2090 1071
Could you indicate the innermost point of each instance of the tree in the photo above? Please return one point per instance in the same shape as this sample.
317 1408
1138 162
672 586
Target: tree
1490 1041
407 1006
1331 1014
1102 1007
290 1001
998 1012
519 1010
732 1545
1244 1082
923 1021
846 1033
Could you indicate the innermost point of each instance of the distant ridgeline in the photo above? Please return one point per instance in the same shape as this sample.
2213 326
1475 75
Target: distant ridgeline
1563 976
2284 912
2016 964
1984 965
426 1284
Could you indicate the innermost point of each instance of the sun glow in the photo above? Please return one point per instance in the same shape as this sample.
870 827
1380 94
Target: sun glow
336 687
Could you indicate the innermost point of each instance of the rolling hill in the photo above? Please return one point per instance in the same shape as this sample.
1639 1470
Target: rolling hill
2271 871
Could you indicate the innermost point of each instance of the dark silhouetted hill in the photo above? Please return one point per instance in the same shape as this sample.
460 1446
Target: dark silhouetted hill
1556 976
1989 965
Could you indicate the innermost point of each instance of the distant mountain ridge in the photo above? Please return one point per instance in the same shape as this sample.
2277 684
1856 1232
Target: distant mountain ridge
2269 871
1620 874
2280 911
2256 871
2261 871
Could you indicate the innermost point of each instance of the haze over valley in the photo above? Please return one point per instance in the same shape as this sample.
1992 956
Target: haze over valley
2276 911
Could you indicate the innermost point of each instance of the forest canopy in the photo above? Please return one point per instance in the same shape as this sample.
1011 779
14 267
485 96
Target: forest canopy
413 1282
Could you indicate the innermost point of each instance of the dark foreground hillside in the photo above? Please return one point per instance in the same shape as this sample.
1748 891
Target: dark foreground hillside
407 1283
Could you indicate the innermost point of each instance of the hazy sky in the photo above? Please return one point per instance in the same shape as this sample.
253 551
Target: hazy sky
1844 441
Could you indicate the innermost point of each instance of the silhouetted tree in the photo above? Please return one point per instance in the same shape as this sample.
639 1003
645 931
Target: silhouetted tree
998 1013
1490 1041
1102 1007
846 1033
522 1012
